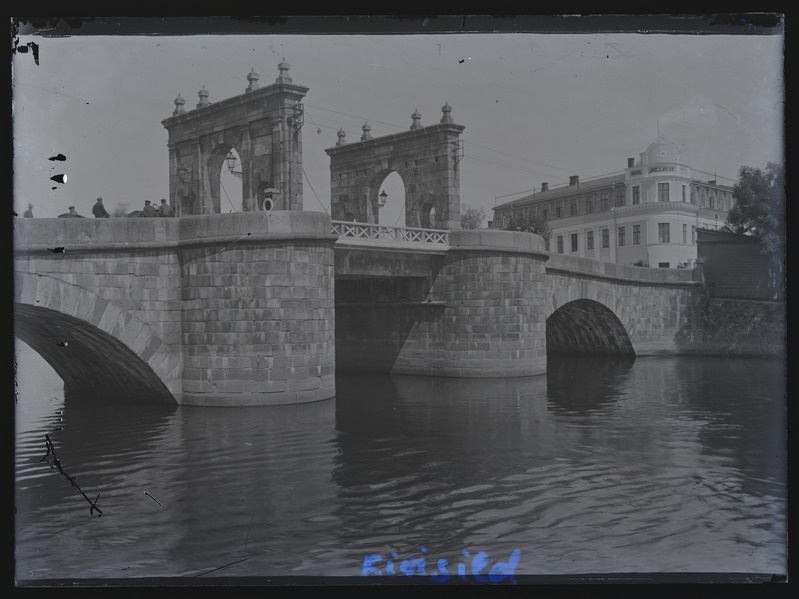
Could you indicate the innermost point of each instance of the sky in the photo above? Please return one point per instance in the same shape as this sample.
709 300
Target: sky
537 107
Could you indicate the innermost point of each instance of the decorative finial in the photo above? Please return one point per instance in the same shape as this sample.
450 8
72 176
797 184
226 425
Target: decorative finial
283 67
366 129
416 116
179 102
446 109
341 134
253 78
203 93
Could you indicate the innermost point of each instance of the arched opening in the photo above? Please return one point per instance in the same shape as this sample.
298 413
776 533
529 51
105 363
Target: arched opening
231 191
586 327
392 214
39 389
95 367
427 217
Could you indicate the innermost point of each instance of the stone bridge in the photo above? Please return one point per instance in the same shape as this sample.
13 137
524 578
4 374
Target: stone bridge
261 308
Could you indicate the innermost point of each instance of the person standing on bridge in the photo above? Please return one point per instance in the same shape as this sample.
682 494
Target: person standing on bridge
99 210
29 212
149 210
165 209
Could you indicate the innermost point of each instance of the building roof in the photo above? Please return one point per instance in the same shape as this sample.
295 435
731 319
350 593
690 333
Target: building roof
662 150
567 189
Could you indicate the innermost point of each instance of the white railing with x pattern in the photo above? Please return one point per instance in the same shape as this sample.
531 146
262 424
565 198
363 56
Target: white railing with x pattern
390 234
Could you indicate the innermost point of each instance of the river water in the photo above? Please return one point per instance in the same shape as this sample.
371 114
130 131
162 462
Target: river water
659 464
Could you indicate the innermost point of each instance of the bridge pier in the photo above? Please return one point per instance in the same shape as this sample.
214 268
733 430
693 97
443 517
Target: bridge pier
494 323
474 308
258 314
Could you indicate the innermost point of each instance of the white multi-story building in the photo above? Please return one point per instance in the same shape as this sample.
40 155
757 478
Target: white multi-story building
646 215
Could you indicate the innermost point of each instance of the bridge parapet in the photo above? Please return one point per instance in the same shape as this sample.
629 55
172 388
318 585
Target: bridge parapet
382 233
600 269
498 240
41 234
119 234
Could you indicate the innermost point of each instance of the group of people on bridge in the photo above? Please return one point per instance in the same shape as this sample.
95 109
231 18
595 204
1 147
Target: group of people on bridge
149 209
99 211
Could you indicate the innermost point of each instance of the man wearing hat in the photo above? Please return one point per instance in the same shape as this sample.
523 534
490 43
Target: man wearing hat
165 209
99 210
149 210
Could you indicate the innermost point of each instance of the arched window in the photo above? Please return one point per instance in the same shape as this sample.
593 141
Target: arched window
428 216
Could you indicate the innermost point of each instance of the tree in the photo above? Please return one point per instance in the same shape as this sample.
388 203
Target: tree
472 218
531 224
120 211
759 211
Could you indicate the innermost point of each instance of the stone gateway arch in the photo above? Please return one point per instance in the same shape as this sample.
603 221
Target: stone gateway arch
262 125
426 157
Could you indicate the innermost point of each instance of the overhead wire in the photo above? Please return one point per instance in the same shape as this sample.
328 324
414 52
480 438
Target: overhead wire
314 191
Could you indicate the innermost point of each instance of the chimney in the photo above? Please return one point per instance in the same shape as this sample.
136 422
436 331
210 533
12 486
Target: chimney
630 162
544 186
574 180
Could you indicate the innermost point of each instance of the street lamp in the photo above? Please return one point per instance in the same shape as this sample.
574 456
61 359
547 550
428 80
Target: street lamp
382 198
231 164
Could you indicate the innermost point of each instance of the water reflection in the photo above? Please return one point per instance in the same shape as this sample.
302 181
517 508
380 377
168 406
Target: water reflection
602 465
581 384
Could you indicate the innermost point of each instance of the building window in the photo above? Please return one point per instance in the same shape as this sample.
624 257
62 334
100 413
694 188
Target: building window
693 235
558 211
603 202
683 193
574 242
693 195
546 244
685 233
589 240
605 238
573 208
620 197
546 214
589 205
663 264
663 233
621 235
663 192
560 244
636 194
636 234
712 200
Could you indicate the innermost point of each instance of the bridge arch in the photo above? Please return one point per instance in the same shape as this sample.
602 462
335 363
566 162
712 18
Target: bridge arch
585 326
102 352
